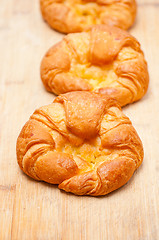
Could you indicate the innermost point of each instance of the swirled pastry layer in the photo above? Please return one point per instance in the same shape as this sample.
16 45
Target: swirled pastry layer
69 16
103 59
82 142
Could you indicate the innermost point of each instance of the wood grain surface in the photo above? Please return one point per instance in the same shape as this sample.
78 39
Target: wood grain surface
34 210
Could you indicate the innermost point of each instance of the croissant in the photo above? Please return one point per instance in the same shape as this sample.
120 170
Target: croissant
82 142
76 15
104 59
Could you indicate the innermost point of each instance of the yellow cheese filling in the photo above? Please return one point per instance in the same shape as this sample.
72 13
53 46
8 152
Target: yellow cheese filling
88 152
101 76
97 76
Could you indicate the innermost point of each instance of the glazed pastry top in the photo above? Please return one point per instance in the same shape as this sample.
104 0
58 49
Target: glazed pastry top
103 59
81 141
76 15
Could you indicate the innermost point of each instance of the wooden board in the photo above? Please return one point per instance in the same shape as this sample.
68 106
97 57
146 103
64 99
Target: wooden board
34 210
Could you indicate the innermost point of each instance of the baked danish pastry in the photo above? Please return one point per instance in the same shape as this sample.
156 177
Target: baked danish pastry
76 15
82 142
103 59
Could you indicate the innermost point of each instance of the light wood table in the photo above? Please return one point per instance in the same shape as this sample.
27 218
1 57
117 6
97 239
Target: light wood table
31 210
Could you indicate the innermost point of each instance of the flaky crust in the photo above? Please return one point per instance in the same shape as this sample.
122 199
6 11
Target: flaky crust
76 15
103 59
82 142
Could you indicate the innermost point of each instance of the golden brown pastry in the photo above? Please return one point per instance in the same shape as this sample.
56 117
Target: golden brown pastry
104 59
76 15
82 142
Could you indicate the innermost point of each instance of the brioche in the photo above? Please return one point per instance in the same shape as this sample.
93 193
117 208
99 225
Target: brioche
82 142
104 59
77 15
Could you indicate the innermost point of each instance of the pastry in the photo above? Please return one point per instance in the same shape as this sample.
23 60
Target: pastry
104 59
77 15
82 142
